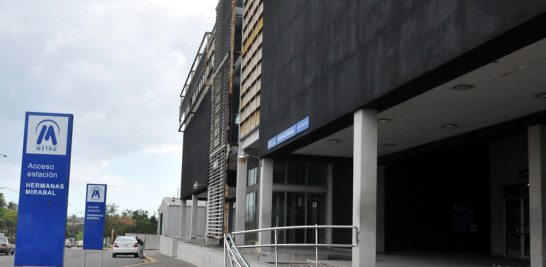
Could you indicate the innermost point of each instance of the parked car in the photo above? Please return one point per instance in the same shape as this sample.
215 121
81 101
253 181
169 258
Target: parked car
6 247
79 243
126 245
68 243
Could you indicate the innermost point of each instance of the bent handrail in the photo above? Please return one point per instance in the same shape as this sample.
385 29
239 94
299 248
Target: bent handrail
232 250
235 257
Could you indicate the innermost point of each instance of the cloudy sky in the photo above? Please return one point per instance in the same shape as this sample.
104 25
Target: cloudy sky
118 67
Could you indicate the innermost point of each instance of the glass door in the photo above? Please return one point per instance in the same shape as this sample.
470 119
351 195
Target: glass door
516 221
297 208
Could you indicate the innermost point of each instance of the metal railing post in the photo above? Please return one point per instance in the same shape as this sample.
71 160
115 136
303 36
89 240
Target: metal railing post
316 246
276 250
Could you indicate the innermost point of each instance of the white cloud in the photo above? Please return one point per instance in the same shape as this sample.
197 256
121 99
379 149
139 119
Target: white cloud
118 66
165 148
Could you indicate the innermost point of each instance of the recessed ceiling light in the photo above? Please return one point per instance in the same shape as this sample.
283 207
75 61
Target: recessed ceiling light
389 145
462 87
541 95
384 120
334 141
450 125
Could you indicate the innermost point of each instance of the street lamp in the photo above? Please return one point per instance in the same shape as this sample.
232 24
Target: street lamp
196 185
246 155
9 189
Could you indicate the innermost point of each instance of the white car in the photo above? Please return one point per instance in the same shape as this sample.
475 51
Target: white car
125 245
6 247
68 243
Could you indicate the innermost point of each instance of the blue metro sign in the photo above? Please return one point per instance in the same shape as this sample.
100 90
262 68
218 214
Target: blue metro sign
43 198
95 210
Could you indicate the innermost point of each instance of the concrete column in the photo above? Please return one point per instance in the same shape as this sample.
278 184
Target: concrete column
329 201
537 194
380 209
194 207
183 218
266 200
240 198
365 186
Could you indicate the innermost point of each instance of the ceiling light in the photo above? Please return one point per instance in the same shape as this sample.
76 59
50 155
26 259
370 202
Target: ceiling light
334 141
449 125
541 95
462 87
384 120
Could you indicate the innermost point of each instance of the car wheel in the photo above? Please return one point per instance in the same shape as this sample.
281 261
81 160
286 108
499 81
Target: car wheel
113 255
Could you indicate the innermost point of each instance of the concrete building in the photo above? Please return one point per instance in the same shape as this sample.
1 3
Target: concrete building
209 120
420 122
169 217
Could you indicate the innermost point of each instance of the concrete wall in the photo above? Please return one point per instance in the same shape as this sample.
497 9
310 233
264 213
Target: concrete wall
150 241
200 256
201 221
168 246
326 59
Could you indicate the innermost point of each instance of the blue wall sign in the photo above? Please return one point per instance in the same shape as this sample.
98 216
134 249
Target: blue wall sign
289 133
286 134
95 209
43 198
302 125
272 142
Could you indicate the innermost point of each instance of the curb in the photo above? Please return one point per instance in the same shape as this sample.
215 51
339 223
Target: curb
148 259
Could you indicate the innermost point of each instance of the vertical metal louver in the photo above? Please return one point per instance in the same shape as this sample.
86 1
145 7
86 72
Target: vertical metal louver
219 123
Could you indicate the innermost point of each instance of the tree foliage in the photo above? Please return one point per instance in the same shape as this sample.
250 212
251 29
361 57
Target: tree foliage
8 218
128 221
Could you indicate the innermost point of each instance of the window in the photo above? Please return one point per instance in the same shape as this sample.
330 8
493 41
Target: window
293 172
253 175
251 217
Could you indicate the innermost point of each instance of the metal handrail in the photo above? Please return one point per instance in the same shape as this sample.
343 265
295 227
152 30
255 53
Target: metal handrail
230 248
229 243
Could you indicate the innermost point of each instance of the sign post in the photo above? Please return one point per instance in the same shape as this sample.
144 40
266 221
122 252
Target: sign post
43 198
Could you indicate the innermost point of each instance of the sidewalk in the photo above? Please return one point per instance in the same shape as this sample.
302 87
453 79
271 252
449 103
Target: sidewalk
158 260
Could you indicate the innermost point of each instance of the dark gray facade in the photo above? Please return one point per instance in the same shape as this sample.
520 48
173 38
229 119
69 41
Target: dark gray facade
195 160
326 59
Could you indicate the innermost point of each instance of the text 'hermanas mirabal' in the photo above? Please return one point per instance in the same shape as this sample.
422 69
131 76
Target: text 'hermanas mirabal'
45 189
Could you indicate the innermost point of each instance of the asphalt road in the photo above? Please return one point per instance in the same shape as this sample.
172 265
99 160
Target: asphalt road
74 257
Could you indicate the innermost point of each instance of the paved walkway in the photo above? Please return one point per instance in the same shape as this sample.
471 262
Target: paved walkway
157 260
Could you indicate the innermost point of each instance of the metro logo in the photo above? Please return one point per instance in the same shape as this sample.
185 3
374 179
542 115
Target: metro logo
48 132
95 193
47 135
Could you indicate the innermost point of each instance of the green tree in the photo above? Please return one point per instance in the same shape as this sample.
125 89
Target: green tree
8 218
11 224
129 221
2 200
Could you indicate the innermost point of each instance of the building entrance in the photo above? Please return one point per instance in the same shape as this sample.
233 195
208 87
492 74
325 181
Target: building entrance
516 212
299 208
